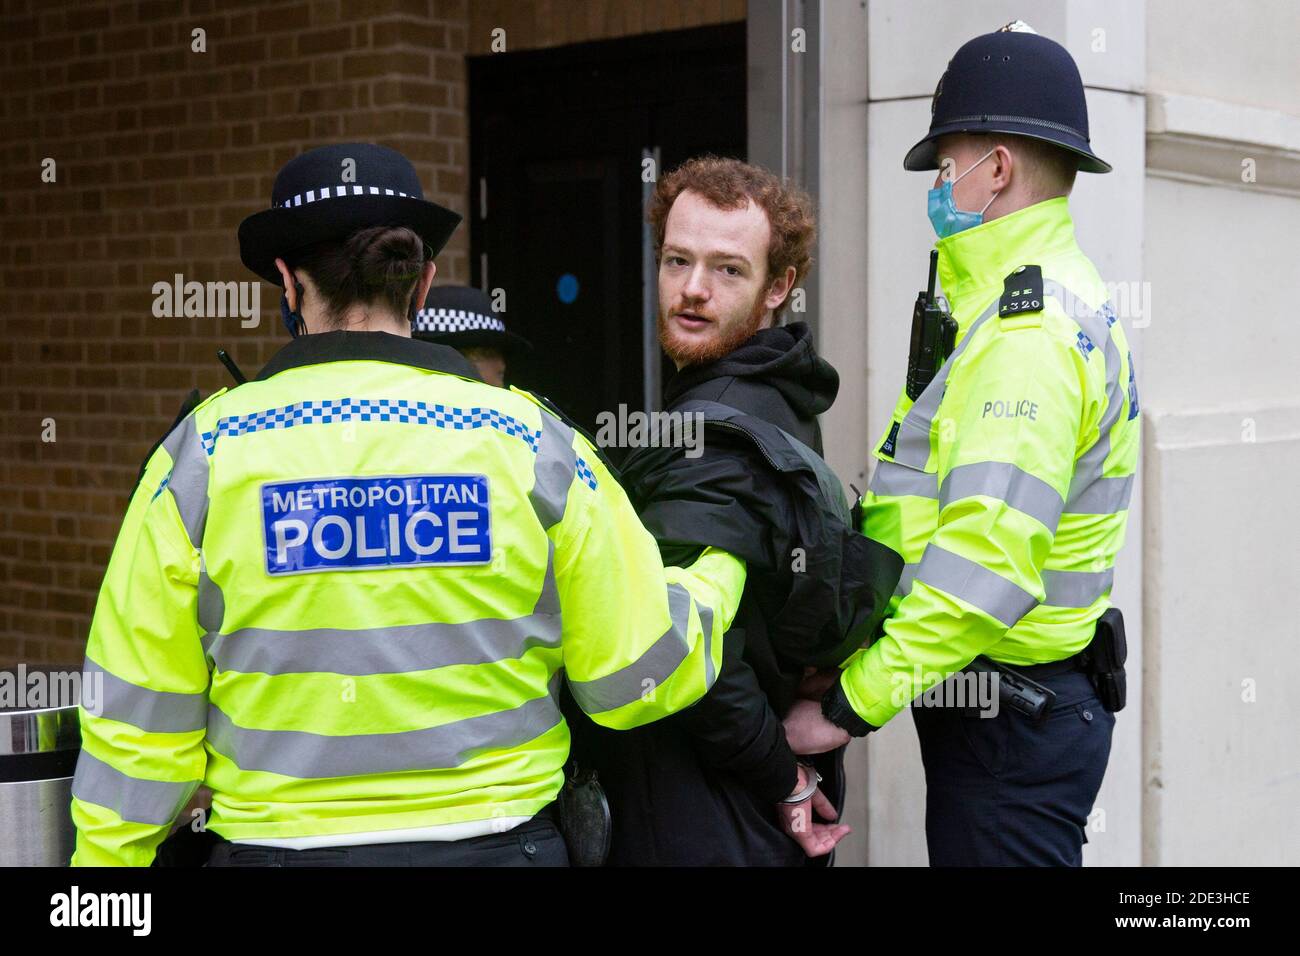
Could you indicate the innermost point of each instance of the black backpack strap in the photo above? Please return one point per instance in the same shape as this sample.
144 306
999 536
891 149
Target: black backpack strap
785 452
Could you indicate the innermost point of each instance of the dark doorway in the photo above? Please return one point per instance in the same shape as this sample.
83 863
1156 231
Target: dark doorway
557 139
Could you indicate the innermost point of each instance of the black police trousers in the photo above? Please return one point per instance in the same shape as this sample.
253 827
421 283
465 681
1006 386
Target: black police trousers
1002 791
537 842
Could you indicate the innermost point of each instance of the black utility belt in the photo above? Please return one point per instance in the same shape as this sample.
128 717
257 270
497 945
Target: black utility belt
1044 671
1102 660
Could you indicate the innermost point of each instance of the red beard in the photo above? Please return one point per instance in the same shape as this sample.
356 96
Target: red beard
723 340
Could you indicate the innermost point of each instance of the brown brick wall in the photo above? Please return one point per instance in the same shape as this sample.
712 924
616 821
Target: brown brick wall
160 152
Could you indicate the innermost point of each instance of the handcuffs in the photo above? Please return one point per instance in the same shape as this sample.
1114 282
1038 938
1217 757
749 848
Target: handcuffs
815 778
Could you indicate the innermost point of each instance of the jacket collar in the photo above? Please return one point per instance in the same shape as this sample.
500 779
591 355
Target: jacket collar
974 262
368 347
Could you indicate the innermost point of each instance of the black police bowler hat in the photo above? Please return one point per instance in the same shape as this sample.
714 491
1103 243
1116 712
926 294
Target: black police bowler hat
311 202
1010 82
463 317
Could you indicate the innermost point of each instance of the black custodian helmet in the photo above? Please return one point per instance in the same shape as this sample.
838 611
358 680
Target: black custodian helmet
1012 81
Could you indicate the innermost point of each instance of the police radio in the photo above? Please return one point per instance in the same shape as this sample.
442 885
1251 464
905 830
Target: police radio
934 333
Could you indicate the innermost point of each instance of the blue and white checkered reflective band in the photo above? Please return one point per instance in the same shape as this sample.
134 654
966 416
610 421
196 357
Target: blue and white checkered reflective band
328 411
331 192
456 320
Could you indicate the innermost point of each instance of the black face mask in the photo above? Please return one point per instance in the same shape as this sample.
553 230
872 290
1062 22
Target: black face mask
293 320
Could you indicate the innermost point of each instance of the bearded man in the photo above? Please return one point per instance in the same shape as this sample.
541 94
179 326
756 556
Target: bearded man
718 784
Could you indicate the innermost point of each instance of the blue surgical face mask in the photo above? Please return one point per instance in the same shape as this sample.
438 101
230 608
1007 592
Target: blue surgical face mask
946 218
292 318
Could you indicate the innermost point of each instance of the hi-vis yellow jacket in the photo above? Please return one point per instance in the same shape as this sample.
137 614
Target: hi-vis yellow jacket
342 598
1006 486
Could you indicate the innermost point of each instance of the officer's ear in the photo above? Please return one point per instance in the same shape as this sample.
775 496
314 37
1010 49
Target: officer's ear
1003 168
422 287
290 284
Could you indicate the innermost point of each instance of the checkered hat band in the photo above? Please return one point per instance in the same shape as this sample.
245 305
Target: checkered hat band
455 320
331 192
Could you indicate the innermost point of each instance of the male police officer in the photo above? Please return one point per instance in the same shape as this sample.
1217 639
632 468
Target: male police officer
344 591
1005 483
463 317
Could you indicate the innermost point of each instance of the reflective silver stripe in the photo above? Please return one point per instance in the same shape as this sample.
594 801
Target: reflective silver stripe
1004 481
296 753
548 602
382 650
387 650
975 584
553 471
212 602
157 711
651 669
1076 588
211 609
706 624
189 479
1083 498
155 802
913 446
1103 496
905 579
898 480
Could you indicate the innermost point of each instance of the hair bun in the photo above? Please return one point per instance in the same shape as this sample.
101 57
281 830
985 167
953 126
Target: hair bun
381 265
385 256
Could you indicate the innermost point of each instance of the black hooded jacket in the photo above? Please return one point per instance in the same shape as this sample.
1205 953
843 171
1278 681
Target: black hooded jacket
701 787
776 375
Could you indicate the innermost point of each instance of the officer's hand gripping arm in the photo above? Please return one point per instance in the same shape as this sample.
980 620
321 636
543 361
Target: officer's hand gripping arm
641 640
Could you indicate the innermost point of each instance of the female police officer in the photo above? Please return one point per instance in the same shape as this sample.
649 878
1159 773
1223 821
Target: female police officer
344 591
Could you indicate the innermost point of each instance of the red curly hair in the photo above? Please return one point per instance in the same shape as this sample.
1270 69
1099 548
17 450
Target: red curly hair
730 184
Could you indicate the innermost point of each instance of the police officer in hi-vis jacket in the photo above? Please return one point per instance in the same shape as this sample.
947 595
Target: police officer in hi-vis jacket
1005 481
344 591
